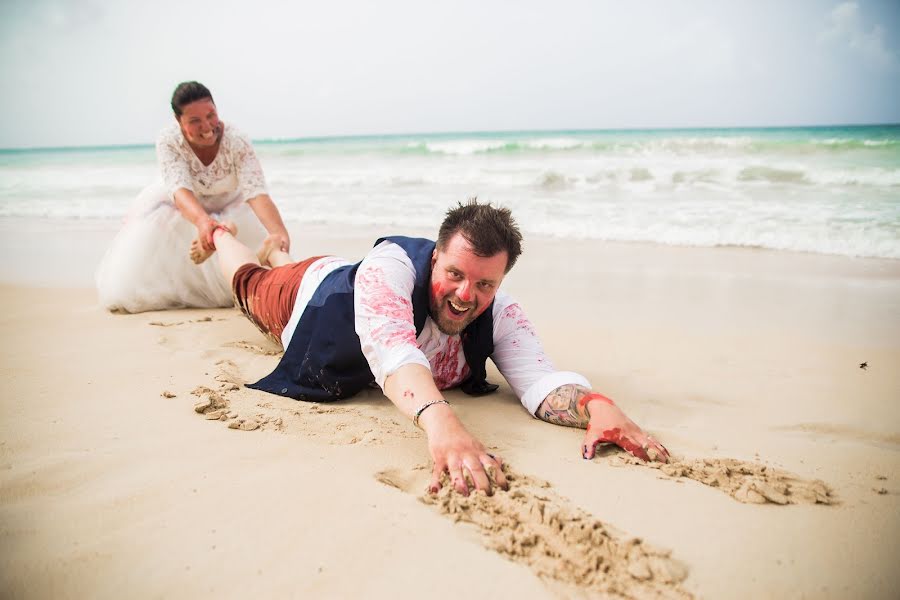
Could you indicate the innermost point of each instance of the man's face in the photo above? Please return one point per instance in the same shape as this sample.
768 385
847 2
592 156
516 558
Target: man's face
463 284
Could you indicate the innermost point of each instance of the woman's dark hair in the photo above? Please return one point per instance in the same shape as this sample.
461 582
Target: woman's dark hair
187 92
490 230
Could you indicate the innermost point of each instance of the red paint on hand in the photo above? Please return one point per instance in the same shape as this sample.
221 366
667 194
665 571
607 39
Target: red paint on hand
582 402
626 443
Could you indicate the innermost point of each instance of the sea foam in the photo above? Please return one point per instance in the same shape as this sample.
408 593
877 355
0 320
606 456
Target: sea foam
825 190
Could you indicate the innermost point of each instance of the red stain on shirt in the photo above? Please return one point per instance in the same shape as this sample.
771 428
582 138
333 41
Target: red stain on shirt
514 312
386 303
321 265
378 297
389 336
445 365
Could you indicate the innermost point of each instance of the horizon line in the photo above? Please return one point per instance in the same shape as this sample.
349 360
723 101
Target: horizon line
339 137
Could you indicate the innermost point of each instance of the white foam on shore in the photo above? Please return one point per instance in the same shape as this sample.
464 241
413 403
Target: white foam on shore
780 190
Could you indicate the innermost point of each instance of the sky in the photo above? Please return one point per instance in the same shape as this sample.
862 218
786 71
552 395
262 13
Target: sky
96 72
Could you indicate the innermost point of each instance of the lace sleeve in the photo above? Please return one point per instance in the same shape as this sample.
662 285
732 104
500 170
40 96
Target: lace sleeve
175 171
252 181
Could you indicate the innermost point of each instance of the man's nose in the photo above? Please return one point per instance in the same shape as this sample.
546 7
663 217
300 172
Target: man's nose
464 291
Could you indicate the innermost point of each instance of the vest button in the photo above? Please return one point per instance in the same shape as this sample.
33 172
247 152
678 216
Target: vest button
284 390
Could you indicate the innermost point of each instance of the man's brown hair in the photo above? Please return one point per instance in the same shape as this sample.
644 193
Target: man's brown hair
488 229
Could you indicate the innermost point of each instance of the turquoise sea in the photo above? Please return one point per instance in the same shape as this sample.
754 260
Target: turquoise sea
830 190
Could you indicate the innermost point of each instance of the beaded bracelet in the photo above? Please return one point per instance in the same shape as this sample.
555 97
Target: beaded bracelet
424 406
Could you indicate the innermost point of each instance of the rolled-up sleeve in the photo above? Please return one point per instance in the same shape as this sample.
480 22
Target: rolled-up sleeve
521 359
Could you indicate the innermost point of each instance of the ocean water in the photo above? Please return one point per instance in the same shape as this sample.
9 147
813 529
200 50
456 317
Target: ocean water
830 190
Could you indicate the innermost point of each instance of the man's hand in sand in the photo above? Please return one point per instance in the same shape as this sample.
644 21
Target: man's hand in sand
609 424
453 449
458 453
577 406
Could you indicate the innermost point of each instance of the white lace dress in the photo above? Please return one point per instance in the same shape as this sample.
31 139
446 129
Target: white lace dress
147 266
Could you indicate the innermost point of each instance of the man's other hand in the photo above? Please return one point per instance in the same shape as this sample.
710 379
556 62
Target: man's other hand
609 424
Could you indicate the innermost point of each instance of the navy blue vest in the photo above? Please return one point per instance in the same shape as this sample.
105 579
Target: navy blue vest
324 361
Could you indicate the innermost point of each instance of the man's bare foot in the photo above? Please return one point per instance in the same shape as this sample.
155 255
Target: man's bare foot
271 244
198 254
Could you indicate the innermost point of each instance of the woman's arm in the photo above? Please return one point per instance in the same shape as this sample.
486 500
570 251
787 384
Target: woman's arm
176 176
268 215
190 209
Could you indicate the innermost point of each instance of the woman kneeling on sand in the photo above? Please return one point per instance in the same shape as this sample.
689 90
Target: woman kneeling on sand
210 173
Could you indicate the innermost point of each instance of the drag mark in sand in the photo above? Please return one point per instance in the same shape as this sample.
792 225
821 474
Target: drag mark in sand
215 405
747 482
227 400
562 544
254 348
229 374
175 323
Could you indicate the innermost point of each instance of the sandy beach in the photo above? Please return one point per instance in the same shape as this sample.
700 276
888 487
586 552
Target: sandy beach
133 463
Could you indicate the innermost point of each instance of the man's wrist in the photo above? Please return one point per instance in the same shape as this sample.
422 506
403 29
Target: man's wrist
436 416
595 401
425 407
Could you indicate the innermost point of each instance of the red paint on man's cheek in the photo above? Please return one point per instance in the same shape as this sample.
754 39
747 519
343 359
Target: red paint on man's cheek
437 290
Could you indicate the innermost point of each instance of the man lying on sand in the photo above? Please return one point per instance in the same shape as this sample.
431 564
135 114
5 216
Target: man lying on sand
415 318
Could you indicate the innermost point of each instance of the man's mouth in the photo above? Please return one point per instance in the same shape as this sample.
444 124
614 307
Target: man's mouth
457 310
208 135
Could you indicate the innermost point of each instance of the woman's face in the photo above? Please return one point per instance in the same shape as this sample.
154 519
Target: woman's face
200 123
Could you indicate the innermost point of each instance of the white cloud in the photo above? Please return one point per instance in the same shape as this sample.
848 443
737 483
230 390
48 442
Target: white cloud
844 25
